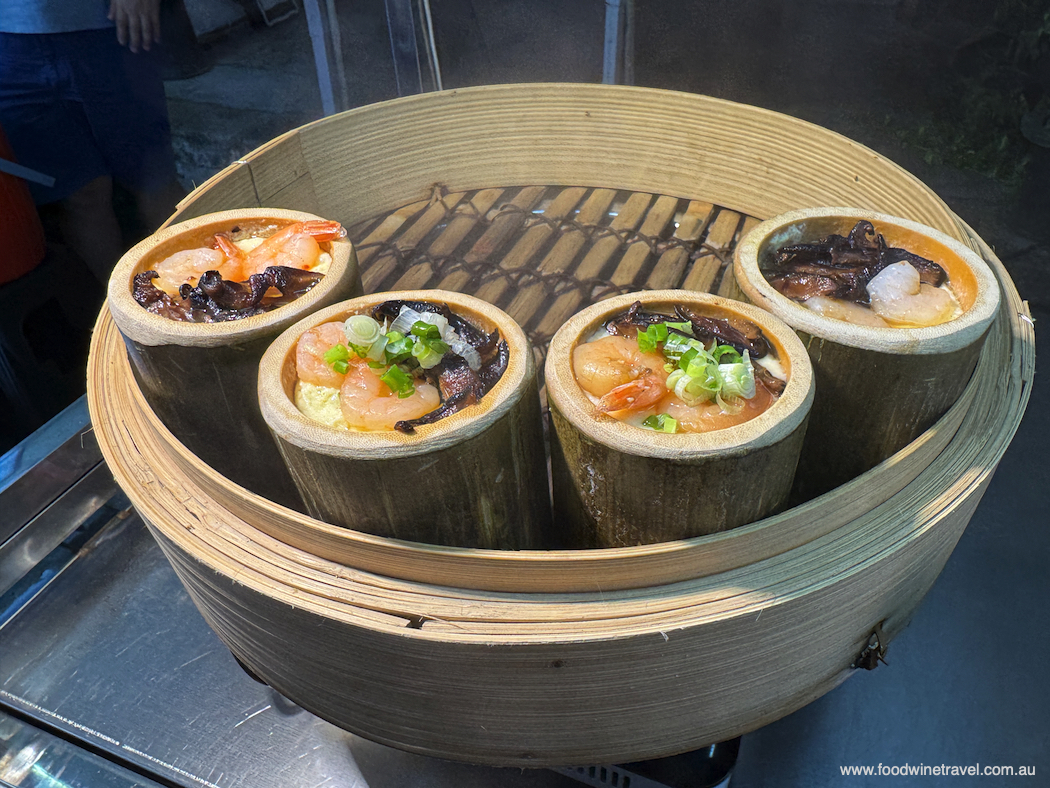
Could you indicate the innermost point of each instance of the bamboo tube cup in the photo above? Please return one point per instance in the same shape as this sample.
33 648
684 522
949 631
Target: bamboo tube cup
200 378
877 388
616 485
477 478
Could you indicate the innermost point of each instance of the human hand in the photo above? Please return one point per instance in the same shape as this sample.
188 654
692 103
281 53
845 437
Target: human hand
137 21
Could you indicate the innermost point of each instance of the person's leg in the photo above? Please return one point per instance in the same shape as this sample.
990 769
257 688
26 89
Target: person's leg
156 207
90 228
123 97
49 132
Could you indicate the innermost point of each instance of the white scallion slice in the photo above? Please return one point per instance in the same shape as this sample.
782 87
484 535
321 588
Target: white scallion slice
362 330
738 380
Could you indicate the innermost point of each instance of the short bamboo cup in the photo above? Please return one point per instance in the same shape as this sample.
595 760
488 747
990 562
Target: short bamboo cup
477 478
200 378
878 389
617 485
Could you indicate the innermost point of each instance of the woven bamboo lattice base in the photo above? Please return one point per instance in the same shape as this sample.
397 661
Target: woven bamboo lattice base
542 253
565 657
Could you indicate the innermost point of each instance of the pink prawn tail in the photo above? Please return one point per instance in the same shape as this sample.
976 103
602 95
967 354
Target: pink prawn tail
224 243
322 230
635 395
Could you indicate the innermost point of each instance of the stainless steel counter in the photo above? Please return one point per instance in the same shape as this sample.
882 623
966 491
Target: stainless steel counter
102 653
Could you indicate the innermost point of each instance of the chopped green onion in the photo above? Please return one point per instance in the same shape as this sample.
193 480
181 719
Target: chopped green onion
337 358
399 347
362 331
425 330
676 345
684 327
646 343
661 423
426 355
738 380
399 382
648 339
377 351
726 354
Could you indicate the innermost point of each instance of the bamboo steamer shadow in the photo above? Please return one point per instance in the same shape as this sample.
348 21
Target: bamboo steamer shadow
200 378
617 485
476 478
877 388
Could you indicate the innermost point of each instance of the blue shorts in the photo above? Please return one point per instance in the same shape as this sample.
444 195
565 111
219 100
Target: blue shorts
77 106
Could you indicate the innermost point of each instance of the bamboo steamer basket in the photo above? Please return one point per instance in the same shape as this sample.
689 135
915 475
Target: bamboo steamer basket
477 478
616 485
877 388
535 658
200 378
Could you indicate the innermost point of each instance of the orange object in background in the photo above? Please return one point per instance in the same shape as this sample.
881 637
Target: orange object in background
22 244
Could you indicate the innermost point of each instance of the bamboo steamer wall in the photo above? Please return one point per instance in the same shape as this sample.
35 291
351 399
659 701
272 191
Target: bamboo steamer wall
542 658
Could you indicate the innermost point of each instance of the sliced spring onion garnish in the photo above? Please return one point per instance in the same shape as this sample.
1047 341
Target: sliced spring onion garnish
408 317
738 379
429 353
661 422
410 322
377 352
726 354
425 330
701 375
362 331
653 334
338 358
398 348
398 381
676 345
659 332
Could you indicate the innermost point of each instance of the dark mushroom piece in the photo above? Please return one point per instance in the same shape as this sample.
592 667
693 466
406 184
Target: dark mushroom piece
458 385
216 300
841 267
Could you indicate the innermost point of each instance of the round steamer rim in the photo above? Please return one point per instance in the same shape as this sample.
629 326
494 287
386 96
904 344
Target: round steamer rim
146 328
776 422
942 338
291 425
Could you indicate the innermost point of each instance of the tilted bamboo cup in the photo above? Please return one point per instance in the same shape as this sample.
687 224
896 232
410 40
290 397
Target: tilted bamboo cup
617 485
476 478
877 388
200 378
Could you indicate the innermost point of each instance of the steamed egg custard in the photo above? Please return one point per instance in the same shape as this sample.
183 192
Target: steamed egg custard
404 365
687 372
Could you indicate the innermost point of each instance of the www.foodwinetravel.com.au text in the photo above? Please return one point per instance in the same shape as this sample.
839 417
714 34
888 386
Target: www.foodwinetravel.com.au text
937 770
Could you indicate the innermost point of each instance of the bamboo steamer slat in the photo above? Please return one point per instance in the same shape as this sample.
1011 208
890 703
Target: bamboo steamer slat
570 657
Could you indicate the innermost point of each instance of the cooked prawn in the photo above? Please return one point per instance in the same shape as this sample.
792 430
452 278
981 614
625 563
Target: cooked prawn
897 295
635 395
844 310
235 257
709 416
186 267
310 365
369 404
612 361
294 246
